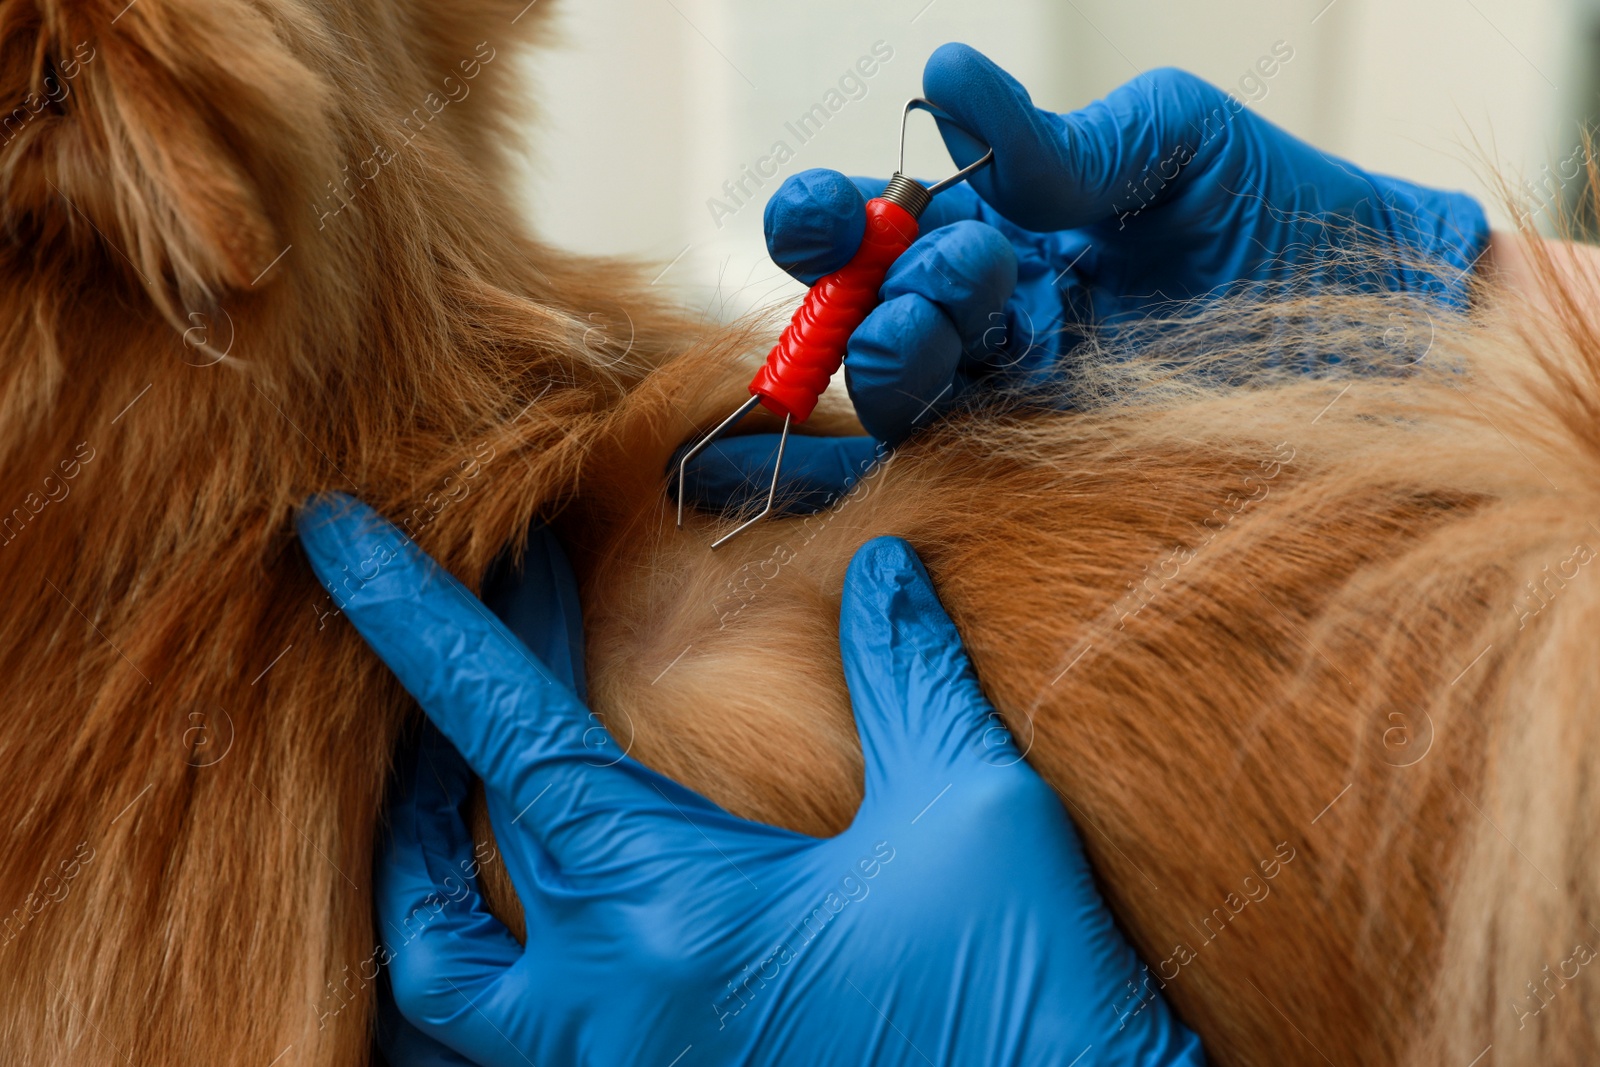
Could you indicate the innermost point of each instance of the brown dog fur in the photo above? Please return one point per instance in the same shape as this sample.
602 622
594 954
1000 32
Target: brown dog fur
1338 679
1274 645
417 348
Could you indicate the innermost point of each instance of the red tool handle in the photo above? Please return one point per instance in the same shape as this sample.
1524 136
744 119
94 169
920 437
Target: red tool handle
813 344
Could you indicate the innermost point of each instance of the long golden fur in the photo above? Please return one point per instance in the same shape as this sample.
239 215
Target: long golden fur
1273 642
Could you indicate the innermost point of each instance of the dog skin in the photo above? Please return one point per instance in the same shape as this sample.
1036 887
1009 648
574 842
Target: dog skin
260 251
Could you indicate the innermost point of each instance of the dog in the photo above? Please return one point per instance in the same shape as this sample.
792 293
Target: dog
1307 660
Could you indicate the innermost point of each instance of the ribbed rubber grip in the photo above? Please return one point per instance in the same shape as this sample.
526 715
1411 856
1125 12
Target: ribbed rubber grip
813 344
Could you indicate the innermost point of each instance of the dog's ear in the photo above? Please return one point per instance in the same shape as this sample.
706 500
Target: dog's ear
169 135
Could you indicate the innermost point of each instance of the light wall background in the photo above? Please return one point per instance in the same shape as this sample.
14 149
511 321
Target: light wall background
649 106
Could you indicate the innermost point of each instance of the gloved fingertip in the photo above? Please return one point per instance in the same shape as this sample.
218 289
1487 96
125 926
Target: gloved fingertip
887 592
890 604
911 685
976 90
884 565
960 79
814 223
336 529
323 519
967 267
1031 172
951 65
350 546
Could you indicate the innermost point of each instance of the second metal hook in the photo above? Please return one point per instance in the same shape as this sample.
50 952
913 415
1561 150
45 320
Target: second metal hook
917 103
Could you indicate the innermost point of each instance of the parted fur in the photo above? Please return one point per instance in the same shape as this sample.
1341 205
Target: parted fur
1310 661
1270 637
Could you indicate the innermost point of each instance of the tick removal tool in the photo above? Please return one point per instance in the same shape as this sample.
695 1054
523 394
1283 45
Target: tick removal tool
812 347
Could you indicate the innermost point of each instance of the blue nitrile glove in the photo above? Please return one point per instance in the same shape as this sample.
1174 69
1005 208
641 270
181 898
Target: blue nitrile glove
1168 189
955 922
538 602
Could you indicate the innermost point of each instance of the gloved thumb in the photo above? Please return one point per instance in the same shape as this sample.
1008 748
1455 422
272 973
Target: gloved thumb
1055 172
917 701
814 223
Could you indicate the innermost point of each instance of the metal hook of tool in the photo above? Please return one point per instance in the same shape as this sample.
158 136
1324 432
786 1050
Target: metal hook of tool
917 103
718 431
828 310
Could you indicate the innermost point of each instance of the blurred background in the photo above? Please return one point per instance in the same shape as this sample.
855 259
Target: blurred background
653 112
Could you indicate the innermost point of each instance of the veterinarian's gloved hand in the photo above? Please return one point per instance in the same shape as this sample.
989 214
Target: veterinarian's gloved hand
1168 189
955 922
538 602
